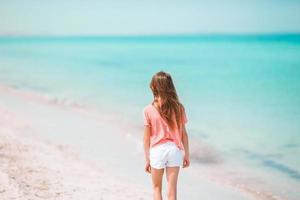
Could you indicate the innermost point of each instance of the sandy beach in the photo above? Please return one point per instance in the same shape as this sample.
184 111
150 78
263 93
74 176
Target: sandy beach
56 150
35 169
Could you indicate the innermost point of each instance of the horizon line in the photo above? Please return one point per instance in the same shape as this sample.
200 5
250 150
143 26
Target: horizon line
149 35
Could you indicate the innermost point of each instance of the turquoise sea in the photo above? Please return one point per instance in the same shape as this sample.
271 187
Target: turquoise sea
241 93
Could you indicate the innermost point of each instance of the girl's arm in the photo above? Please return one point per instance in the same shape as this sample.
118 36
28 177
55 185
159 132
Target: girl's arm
185 142
147 148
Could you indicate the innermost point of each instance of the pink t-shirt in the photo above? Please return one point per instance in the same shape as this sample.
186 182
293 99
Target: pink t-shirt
160 131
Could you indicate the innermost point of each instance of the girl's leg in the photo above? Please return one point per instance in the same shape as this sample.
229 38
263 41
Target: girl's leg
157 175
172 177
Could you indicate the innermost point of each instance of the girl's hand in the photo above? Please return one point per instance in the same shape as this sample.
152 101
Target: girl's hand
186 161
148 167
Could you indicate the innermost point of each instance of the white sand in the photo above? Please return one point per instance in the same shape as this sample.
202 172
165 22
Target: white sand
53 150
32 169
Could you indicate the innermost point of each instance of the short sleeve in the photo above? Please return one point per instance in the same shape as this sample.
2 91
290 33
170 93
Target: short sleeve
146 118
184 117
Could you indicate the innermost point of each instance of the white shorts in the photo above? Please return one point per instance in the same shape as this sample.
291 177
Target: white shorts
166 155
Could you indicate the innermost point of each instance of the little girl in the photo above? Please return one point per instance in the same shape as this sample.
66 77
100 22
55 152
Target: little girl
166 143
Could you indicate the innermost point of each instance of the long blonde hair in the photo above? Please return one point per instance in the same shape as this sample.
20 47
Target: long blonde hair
162 87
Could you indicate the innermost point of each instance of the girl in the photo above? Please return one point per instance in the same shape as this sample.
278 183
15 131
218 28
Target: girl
166 143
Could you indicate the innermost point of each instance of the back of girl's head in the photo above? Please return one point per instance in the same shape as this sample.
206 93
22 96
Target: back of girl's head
162 87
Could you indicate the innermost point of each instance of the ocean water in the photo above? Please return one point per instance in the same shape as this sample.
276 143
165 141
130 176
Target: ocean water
241 93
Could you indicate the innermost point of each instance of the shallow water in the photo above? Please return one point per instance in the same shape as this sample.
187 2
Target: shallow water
241 93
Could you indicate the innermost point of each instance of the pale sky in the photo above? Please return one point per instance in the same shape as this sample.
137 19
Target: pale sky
138 17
